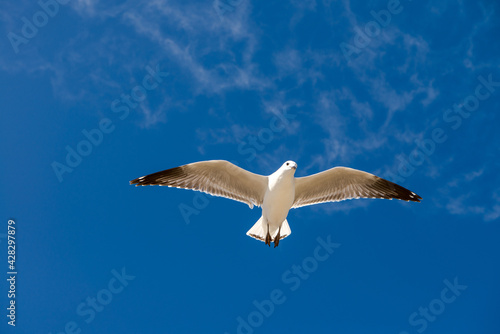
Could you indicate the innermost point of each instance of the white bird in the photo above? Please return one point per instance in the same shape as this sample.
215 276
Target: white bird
278 192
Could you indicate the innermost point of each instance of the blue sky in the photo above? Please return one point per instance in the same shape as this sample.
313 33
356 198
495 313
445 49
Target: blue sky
95 94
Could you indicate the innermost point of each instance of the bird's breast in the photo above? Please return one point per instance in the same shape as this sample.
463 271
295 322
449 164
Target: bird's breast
279 199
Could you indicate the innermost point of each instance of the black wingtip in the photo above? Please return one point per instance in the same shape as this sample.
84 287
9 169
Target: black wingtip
135 181
412 197
159 178
397 191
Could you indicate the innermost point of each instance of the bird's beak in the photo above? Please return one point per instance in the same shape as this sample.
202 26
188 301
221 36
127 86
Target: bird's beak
294 167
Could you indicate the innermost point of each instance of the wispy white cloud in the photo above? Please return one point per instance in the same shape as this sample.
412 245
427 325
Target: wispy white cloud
303 66
204 35
279 117
153 117
470 61
285 109
459 199
86 6
99 9
288 61
472 175
334 113
302 7
189 36
458 206
389 92
233 134
494 213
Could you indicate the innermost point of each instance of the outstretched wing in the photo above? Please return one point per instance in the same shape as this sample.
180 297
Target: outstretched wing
342 183
215 177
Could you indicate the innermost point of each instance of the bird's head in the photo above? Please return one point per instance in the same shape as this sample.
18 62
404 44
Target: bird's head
289 165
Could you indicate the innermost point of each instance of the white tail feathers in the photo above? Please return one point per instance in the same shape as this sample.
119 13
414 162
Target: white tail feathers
285 230
259 230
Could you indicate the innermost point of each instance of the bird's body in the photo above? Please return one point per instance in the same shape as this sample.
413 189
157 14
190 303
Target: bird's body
278 192
278 200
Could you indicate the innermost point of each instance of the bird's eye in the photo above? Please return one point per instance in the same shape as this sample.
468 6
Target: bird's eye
287 163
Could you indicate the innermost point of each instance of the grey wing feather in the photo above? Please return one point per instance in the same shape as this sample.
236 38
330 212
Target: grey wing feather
342 183
215 177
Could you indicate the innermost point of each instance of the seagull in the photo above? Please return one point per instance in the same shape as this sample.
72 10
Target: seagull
278 192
